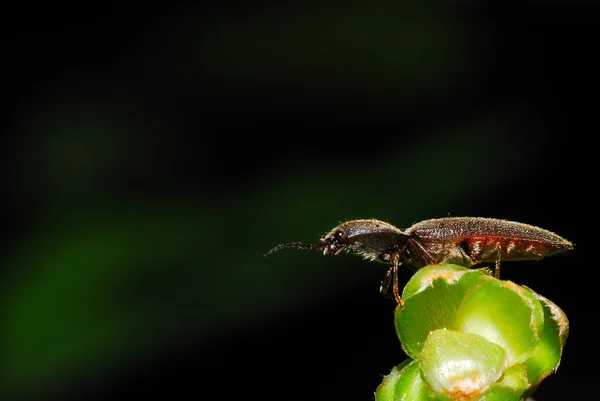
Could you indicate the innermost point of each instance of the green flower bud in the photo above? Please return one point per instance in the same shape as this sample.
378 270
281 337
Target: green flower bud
470 337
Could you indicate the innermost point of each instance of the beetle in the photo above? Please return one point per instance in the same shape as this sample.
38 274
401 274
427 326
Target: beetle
465 241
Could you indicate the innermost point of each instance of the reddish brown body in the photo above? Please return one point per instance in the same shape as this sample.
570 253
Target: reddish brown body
465 241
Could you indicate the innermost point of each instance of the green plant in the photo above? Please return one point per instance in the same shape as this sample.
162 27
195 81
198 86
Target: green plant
470 336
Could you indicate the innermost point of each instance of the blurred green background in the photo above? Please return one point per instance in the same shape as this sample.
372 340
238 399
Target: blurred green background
154 154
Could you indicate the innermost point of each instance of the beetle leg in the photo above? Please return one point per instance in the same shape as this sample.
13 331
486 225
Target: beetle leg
385 283
498 260
397 296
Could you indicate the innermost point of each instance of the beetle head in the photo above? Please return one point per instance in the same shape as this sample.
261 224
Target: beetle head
367 237
335 242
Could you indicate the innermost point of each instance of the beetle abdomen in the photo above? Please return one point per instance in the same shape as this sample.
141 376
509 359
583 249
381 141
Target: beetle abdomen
482 238
486 249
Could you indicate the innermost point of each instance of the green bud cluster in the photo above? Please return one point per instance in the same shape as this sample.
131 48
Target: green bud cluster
470 336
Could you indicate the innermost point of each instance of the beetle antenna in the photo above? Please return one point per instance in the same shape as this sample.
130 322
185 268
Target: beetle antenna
299 245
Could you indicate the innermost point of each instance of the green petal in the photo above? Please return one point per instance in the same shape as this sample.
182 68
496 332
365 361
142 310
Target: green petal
403 383
547 354
506 314
460 365
511 386
424 277
431 299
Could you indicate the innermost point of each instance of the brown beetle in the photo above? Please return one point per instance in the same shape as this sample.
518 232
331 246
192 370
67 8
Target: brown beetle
465 241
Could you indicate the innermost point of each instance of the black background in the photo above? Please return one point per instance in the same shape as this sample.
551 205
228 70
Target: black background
238 143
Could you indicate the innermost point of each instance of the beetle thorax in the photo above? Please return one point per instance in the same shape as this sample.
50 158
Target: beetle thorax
368 238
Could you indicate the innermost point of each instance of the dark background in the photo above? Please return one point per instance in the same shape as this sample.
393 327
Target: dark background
153 154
